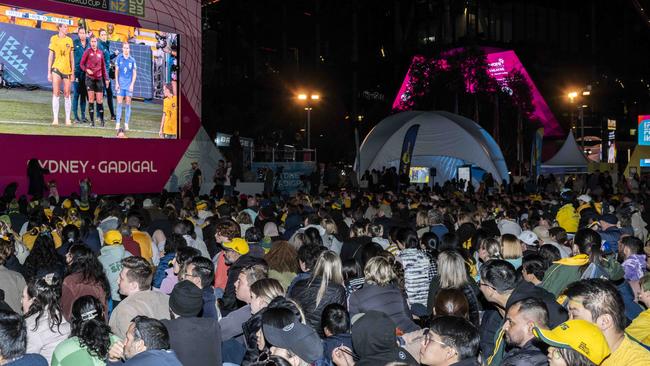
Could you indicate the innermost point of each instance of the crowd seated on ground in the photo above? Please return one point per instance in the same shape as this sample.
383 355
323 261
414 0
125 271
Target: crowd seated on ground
499 275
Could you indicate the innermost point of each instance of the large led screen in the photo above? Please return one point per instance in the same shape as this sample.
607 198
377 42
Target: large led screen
644 130
70 76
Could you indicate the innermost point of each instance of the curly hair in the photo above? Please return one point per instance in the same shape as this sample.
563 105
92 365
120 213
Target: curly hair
88 324
85 262
46 295
228 228
282 257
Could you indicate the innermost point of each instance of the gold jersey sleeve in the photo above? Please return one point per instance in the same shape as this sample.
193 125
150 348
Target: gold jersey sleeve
170 107
62 48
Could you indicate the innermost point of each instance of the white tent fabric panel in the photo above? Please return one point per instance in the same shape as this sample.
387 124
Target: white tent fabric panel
569 156
441 134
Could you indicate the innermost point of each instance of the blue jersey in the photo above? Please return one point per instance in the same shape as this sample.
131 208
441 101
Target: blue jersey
125 67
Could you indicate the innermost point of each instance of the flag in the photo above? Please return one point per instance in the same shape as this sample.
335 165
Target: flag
536 153
407 150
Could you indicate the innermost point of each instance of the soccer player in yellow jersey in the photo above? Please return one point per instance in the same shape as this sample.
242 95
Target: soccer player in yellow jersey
169 121
60 67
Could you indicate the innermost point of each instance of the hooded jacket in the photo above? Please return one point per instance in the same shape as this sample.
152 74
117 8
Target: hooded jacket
375 342
111 260
563 272
568 218
387 299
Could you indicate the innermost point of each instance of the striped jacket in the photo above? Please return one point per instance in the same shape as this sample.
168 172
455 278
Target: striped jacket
417 275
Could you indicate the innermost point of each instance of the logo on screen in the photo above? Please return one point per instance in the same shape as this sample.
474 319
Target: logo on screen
14 54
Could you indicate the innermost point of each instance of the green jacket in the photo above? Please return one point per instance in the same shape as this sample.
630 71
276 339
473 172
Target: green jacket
71 353
567 270
563 272
79 50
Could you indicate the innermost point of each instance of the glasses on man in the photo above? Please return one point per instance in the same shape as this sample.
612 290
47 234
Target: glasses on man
429 338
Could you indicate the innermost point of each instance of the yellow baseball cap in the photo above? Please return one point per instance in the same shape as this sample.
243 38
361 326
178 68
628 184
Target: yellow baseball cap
83 206
579 335
239 245
112 237
66 204
201 205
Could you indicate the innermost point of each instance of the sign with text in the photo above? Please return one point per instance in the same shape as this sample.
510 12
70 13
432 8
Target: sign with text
95 4
128 7
289 177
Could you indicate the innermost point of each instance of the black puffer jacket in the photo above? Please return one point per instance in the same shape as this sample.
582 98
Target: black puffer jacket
250 328
387 299
530 354
492 323
305 292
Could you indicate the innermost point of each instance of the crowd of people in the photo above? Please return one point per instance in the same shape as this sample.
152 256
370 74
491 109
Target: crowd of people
496 276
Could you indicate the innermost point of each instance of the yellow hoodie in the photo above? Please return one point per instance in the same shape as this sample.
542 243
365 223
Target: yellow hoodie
568 218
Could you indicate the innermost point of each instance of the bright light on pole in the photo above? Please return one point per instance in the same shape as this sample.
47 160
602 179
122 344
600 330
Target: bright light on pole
305 99
572 95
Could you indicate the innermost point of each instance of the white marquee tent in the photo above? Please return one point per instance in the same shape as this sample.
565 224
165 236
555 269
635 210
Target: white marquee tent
444 141
568 159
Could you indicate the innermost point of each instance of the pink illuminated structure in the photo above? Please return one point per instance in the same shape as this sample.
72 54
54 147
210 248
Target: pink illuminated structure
501 65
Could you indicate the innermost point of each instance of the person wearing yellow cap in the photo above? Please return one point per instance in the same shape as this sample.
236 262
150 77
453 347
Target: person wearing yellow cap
574 343
599 302
236 255
111 257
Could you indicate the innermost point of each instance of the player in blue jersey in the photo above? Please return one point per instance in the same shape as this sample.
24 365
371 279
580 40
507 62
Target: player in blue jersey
126 72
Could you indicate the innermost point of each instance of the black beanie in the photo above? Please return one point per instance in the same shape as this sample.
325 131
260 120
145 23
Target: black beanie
186 299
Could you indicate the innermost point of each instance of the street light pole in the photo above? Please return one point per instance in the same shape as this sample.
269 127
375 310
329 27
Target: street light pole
308 109
308 99
582 129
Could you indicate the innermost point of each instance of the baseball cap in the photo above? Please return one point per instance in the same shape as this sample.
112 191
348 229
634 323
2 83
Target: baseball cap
147 203
113 237
239 245
84 206
201 205
578 335
297 338
584 198
609 218
528 237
